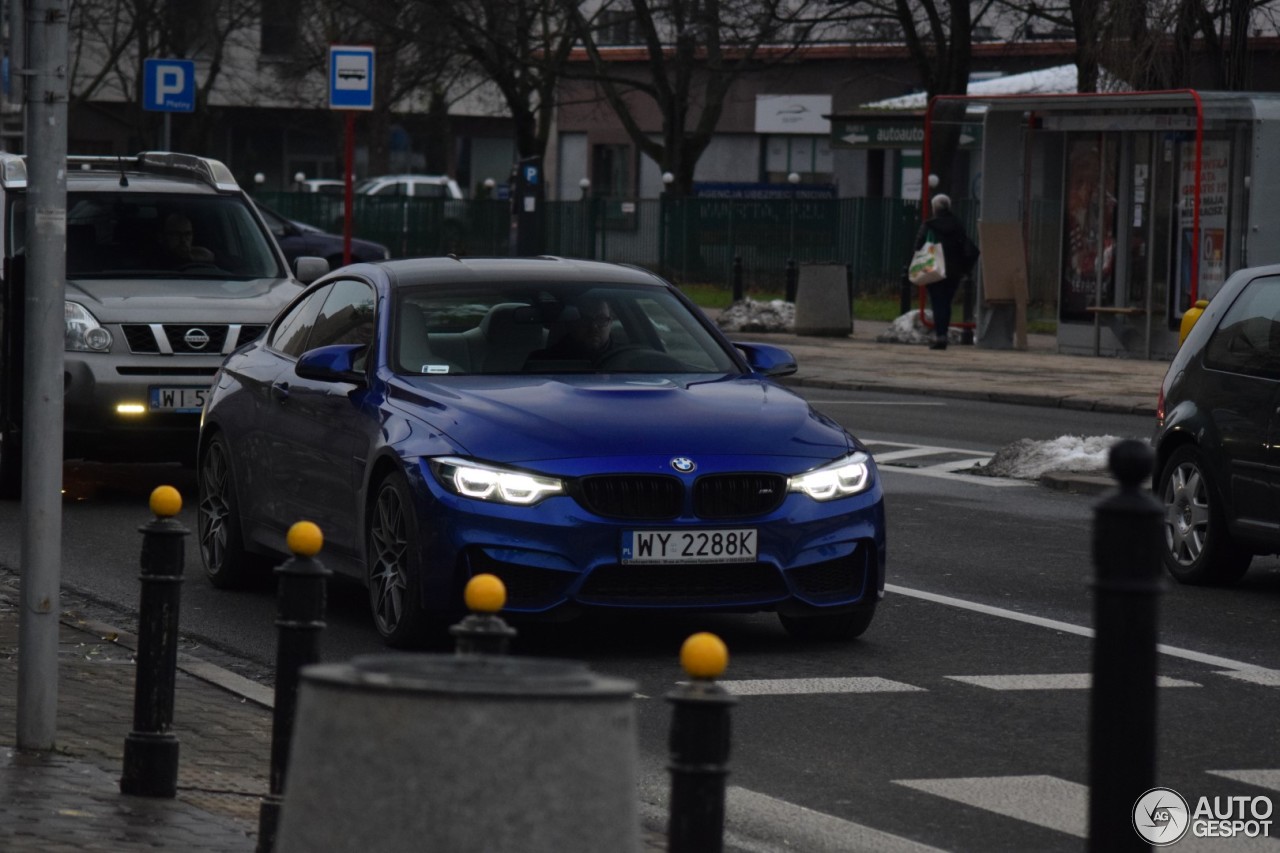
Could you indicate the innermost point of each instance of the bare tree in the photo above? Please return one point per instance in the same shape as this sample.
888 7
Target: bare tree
694 51
520 46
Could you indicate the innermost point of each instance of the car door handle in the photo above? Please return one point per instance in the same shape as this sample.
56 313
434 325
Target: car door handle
280 390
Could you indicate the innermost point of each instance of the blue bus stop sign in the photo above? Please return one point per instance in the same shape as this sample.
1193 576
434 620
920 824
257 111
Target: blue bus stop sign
169 85
350 78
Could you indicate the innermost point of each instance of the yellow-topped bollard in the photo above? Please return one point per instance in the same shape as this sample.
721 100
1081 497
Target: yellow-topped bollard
1189 318
166 502
704 655
305 539
485 594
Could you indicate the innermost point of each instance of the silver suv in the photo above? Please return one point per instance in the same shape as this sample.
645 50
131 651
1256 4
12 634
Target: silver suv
170 267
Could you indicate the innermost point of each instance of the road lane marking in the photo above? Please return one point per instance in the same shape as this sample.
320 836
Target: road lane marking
1045 801
895 455
805 686
873 403
1051 681
808 829
1259 778
971 479
1240 669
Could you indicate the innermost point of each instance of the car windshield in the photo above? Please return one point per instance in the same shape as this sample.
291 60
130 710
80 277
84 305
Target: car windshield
114 235
540 328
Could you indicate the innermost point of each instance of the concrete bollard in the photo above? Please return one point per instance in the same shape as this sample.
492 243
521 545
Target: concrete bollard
1122 743
824 300
699 749
469 753
150 749
300 605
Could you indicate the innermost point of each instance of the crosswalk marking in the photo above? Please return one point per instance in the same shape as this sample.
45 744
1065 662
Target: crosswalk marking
1258 675
891 455
804 686
1045 801
1260 778
1051 681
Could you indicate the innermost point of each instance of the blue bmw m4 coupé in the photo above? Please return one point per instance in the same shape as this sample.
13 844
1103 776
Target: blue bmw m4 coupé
579 429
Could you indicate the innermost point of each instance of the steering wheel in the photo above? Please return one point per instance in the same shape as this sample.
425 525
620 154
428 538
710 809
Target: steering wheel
637 357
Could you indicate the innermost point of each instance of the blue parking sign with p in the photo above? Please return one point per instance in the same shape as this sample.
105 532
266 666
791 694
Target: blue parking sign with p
169 85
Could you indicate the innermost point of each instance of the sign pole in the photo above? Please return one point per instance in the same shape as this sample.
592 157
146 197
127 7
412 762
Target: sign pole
348 201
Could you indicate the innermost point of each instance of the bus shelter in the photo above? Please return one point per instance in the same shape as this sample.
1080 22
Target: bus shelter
1124 208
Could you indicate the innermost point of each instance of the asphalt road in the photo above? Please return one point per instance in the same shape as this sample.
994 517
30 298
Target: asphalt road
958 722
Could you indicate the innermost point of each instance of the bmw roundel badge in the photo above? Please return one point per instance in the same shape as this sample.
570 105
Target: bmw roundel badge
683 464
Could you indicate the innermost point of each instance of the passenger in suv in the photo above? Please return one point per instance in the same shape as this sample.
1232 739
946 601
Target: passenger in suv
146 329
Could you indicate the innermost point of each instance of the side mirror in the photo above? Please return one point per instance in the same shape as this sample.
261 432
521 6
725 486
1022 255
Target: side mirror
768 359
335 363
307 269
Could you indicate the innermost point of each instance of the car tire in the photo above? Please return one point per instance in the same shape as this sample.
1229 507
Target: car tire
227 564
395 566
10 466
1198 547
829 627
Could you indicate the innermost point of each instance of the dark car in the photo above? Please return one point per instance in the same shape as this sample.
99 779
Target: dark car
431 417
299 239
1217 435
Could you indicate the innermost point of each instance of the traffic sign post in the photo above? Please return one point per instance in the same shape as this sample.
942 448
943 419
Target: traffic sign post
350 88
168 86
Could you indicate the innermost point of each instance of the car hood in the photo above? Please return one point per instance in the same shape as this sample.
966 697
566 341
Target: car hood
159 300
522 421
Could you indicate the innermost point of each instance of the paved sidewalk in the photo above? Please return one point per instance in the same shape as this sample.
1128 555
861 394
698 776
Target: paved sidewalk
70 800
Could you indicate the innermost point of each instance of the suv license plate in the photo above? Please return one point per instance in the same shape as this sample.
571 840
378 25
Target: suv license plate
177 399
689 546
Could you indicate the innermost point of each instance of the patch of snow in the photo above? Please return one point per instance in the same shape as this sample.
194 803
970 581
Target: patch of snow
1026 459
910 329
748 315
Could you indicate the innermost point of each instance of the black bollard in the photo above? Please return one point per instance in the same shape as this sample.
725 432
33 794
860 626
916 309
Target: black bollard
966 330
737 278
483 632
793 279
904 292
300 605
699 746
150 749
1122 746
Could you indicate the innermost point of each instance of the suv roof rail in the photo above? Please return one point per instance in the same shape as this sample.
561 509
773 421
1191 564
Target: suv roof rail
204 169
13 167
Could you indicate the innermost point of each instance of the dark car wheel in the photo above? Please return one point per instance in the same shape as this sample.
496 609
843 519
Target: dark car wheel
829 627
226 562
1198 547
395 568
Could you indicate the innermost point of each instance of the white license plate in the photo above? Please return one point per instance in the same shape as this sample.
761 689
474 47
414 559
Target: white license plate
689 546
177 399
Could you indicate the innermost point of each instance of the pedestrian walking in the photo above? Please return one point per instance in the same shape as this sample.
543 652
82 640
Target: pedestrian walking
959 255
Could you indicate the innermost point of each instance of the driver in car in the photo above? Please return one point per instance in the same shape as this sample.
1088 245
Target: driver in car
588 336
179 242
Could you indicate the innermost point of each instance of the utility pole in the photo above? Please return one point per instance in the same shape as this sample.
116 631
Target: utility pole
46 105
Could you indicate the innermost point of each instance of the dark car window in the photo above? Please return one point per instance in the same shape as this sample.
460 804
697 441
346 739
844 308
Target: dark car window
347 316
294 328
1248 338
110 235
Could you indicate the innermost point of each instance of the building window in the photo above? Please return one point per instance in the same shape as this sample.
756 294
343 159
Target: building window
612 172
807 156
279 27
617 27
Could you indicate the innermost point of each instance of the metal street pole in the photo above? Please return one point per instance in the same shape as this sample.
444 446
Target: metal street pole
42 402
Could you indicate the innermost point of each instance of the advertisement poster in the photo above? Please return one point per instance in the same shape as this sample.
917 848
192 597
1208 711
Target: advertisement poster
1215 201
1088 269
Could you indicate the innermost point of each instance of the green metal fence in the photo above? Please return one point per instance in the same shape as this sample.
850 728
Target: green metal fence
690 240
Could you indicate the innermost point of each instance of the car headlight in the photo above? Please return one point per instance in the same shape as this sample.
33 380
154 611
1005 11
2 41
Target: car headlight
838 479
83 332
492 483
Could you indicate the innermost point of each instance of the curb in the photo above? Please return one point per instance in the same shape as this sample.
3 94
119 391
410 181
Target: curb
1078 483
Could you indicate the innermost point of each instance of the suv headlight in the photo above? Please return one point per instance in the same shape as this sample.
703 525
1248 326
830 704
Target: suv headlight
492 483
839 479
84 334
